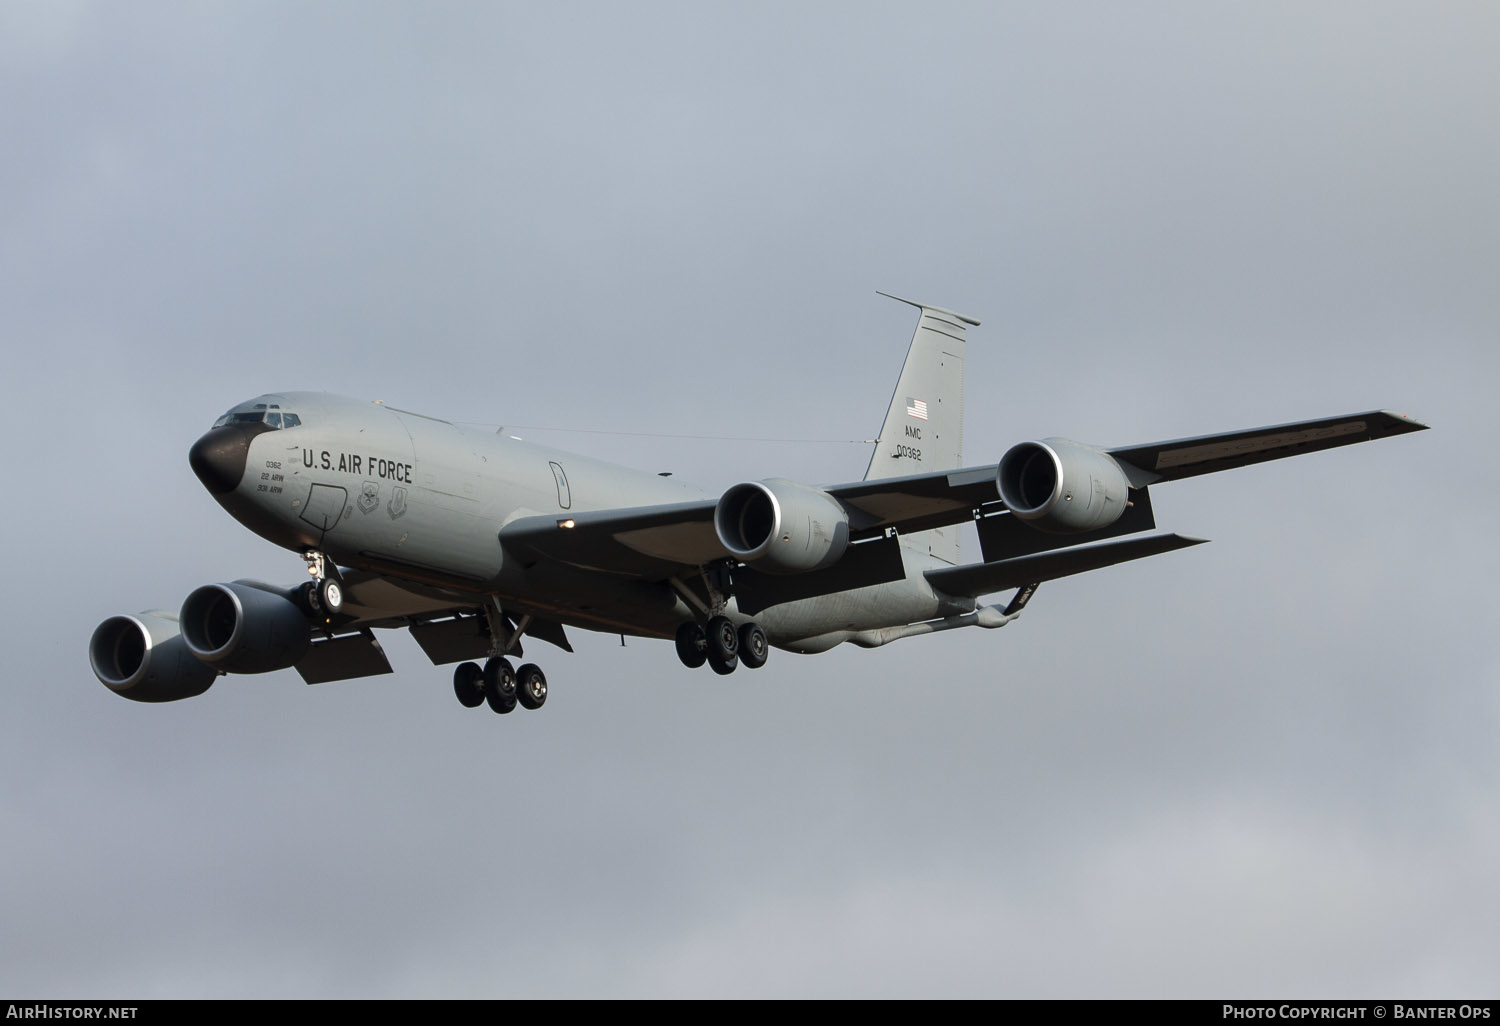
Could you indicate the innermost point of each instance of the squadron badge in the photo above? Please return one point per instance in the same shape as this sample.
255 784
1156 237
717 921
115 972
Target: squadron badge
397 506
369 497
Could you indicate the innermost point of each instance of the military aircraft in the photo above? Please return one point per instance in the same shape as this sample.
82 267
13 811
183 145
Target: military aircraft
473 541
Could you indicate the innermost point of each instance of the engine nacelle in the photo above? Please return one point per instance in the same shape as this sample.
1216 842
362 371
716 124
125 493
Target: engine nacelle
144 659
245 627
781 527
1063 486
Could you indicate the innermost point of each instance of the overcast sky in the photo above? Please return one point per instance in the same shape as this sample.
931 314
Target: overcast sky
1265 766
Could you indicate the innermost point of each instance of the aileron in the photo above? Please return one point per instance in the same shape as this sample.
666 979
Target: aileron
1188 457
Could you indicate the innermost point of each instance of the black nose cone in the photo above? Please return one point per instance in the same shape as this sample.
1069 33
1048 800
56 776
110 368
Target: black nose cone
218 458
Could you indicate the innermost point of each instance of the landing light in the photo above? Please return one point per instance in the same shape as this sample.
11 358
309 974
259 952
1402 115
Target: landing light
565 524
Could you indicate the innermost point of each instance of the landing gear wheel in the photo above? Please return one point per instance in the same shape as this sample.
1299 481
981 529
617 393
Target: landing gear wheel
500 685
531 686
723 641
723 667
754 648
330 595
692 645
468 685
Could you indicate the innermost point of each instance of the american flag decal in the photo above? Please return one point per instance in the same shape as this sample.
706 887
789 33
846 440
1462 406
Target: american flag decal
916 408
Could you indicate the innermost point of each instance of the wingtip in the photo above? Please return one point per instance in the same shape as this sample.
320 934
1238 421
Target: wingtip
1406 423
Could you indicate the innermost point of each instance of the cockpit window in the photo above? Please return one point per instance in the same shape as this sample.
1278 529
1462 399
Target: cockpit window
259 414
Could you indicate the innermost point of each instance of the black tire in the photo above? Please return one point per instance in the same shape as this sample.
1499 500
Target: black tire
723 642
723 667
692 645
754 648
500 685
330 595
468 685
531 686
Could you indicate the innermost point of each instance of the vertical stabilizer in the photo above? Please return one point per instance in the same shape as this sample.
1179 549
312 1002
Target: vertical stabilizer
924 427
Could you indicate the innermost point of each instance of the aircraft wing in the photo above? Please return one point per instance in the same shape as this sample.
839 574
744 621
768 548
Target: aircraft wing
1188 457
655 542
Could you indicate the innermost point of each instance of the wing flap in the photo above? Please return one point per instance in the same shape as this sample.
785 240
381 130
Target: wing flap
452 641
344 658
1003 535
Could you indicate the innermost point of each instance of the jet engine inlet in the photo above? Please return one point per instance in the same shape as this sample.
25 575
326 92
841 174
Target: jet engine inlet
142 658
244 627
1062 486
781 527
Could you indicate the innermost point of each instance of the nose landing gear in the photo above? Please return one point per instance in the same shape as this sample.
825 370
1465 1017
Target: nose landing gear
324 594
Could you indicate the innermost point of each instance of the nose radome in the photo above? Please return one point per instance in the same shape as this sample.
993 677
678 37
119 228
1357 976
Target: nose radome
218 458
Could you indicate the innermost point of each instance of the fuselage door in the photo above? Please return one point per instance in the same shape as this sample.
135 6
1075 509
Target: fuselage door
564 496
325 504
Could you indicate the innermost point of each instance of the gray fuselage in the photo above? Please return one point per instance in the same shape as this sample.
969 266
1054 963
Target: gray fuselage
423 501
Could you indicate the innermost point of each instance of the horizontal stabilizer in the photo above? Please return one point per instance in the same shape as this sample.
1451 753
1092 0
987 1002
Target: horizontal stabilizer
985 578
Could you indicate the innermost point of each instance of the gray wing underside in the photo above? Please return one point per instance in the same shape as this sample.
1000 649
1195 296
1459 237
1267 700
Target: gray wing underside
656 542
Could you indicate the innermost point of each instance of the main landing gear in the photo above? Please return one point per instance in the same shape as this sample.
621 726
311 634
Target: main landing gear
721 645
500 684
